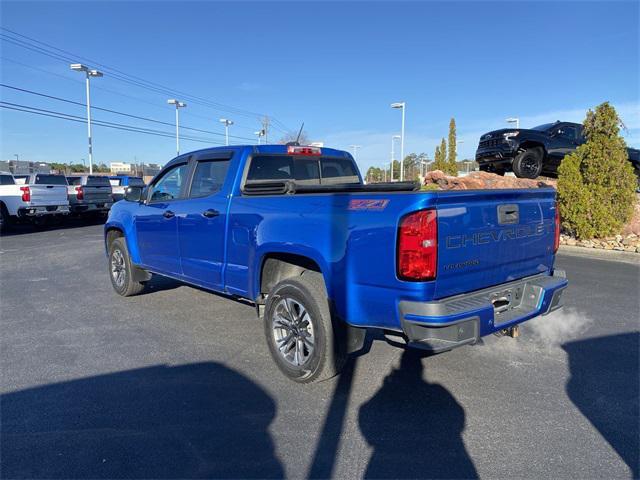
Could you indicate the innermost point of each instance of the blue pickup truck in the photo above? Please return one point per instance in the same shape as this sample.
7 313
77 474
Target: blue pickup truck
324 257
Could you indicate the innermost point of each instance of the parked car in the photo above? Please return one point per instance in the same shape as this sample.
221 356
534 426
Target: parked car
119 183
89 194
535 151
324 257
34 197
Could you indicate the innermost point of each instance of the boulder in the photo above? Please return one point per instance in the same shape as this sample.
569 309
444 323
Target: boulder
482 180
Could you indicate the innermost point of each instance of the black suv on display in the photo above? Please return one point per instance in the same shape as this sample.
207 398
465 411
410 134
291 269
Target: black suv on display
533 152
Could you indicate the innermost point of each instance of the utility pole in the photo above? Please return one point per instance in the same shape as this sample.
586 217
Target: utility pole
355 151
265 128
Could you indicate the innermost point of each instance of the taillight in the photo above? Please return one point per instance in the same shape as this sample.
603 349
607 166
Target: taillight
556 234
79 193
26 194
418 246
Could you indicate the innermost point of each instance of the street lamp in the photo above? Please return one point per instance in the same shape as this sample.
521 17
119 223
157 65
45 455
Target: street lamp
179 105
403 106
89 72
355 151
515 120
393 153
226 123
260 134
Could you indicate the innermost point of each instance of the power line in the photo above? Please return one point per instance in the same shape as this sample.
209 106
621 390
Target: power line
24 90
102 123
120 75
130 97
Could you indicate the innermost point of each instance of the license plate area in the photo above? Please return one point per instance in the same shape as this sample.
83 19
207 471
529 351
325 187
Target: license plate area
504 301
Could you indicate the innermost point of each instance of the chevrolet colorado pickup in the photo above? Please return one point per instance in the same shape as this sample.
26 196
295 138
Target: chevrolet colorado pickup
324 257
532 152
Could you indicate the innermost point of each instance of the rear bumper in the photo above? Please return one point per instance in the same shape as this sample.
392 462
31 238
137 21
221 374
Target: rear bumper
40 211
91 207
461 320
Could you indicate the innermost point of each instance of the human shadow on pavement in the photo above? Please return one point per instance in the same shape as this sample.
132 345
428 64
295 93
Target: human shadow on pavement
200 420
604 387
415 427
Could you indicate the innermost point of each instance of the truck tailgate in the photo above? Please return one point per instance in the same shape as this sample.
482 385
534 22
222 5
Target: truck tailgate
43 195
97 194
487 238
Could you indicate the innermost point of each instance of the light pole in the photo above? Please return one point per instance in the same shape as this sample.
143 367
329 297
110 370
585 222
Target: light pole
403 106
179 105
355 151
17 157
393 153
259 134
78 67
515 120
226 123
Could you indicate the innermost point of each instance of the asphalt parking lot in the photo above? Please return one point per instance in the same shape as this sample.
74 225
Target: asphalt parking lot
178 382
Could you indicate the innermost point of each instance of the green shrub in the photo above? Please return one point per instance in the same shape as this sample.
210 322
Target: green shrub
596 183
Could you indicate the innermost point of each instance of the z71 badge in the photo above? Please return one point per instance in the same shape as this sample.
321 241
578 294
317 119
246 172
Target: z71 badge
368 204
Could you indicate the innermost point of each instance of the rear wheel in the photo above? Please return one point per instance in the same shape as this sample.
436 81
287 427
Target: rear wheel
306 343
5 218
528 163
121 271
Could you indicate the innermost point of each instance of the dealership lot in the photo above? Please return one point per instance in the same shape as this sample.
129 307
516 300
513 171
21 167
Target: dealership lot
178 382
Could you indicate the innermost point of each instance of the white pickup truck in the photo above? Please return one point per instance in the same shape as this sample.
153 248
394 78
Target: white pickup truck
32 197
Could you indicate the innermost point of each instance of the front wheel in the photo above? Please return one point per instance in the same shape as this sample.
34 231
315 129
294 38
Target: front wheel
305 342
121 271
528 163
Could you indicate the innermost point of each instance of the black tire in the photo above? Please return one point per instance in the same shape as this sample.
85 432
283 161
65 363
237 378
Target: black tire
5 218
326 333
121 270
528 163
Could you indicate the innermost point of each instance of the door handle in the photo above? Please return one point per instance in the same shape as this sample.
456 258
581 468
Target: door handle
168 214
210 213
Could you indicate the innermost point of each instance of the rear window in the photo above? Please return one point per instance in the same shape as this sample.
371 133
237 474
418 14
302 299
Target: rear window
74 180
115 182
45 179
20 179
98 182
136 182
304 171
6 180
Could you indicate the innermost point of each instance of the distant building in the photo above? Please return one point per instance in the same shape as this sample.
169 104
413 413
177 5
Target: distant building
24 167
316 144
120 167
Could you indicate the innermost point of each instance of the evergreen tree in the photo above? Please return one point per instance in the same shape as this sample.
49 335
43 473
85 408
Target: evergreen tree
596 183
438 164
451 161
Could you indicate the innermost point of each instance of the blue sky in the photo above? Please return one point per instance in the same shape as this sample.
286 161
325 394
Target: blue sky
336 66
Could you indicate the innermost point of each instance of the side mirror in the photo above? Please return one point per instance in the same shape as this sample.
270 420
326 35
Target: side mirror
133 194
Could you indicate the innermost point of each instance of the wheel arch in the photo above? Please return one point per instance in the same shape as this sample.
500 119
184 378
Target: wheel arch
530 144
278 266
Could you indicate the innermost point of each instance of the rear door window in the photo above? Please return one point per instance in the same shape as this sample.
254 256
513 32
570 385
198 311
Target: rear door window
45 179
208 177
